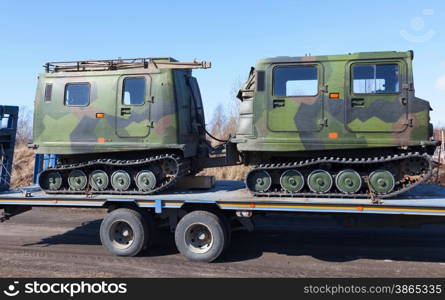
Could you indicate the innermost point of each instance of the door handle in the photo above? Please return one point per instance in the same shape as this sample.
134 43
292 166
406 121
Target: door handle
125 111
278 103
357 102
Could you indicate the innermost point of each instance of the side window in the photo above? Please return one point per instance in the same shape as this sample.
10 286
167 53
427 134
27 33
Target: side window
48 92
295 81
134 91
77 94
375 79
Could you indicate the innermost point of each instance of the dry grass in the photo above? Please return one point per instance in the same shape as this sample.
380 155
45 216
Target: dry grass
23 167
227 173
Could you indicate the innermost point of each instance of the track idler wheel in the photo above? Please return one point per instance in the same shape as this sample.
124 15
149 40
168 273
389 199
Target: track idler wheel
145 180
319 181
348 181
120 180
99 180
51 181
77 180
381 181
292 181
259 181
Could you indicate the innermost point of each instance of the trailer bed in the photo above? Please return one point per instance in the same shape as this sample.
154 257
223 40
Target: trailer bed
427 199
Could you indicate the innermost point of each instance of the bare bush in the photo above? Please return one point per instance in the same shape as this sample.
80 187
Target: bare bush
23 163
24 126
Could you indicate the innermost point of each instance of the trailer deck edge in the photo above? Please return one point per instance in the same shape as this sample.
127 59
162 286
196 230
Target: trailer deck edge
230 195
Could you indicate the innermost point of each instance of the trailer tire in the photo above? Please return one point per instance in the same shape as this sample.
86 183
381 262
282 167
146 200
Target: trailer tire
201 236
125 232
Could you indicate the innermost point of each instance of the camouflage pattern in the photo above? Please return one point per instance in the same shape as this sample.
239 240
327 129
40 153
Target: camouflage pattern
166 119
172 116
323 123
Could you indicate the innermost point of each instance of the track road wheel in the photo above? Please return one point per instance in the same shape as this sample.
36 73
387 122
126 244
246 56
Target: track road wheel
77 180
259 181
120 180
145 180
381 181
51 181
292 181
200 236
348 181
125 232
99 180
319 181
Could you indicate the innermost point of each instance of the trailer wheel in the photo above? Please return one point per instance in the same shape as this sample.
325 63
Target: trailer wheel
125 232
201 236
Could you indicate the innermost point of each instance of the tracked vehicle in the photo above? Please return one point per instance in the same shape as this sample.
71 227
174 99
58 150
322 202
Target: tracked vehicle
119 126
335 126
341 125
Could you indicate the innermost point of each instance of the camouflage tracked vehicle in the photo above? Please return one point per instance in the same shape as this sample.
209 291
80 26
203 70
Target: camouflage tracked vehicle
341 125
119 126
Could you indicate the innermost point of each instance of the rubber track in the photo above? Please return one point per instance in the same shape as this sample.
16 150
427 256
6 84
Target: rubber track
181 170
346 162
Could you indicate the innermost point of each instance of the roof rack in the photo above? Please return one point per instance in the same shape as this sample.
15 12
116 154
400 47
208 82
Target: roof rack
123 63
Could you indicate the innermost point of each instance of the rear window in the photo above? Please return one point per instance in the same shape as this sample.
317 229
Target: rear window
375 79
77 94
296 81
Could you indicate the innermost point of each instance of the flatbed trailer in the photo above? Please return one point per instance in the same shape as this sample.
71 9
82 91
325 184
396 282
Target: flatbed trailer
202 220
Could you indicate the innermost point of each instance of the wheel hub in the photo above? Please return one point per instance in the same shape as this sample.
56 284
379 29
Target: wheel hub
198 238
121 234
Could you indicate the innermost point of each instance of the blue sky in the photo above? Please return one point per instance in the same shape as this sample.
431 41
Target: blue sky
231 34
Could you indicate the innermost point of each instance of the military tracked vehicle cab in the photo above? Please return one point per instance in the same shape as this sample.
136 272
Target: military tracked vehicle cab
119 125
